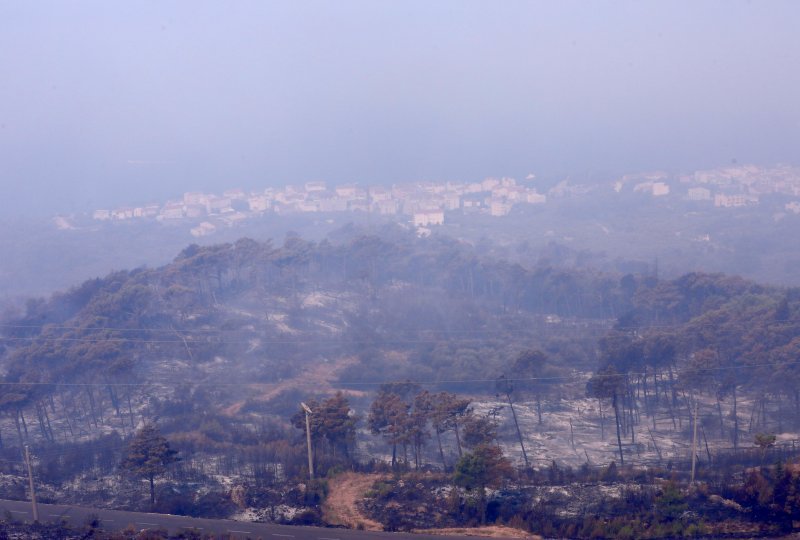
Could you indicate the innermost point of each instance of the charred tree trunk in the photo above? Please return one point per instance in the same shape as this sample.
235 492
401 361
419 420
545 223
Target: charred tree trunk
441 451
40 418
539 408
19 431
91 405
752 417
519 433
69 425
797 402
705 439
47 422
130 409
655 385
24 424
113 397
735 422
602 421
619 437
458 439
671 413
672 387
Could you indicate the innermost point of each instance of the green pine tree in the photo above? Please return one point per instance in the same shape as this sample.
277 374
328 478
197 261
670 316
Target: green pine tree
148 455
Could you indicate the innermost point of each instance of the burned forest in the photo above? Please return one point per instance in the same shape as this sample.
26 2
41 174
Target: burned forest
447 387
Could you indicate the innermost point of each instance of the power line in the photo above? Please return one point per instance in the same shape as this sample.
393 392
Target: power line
490 335
209 336
48 326
191 340
93 340
596 322
574 321
550 379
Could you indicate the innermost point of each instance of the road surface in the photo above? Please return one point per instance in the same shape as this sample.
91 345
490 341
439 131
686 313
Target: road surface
114 520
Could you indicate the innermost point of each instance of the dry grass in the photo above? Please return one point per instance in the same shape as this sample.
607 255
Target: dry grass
318 377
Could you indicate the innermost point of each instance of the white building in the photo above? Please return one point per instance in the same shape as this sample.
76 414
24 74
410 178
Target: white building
793 206
172 211
308 206
194 210
218 205
734 201
258 203
656 189
380 194
699 194
451 201
660 189
122 213
489 184
346 191
358 204
428 217
332 204
204 229
386 207
499 207
195 197
532 197
236 194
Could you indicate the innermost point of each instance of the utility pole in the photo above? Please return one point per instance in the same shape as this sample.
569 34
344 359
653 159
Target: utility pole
694 442
30 483
308 440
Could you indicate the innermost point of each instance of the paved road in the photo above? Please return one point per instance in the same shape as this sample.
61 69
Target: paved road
115 520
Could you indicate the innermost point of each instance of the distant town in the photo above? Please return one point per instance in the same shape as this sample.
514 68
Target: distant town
426 205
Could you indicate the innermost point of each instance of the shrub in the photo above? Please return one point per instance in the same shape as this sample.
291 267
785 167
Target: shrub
307 517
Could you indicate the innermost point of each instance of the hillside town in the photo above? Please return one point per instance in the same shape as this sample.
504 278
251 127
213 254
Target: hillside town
426 204
422 204
726 187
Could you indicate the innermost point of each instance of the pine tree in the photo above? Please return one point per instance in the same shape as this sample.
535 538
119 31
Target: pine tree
484 467
148 455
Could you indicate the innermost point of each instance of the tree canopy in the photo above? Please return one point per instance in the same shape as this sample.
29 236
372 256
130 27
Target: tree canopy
148 455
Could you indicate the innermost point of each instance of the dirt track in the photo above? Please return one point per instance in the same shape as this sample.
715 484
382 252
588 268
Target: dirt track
491 532
344 491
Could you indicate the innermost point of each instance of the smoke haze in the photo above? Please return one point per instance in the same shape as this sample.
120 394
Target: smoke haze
107 103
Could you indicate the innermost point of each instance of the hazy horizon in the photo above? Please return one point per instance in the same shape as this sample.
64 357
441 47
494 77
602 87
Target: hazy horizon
111 103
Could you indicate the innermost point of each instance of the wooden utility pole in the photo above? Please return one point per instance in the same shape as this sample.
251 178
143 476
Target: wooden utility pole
30 484
694 442
308 440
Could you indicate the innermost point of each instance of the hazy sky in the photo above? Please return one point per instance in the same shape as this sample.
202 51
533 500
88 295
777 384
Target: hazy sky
105 103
